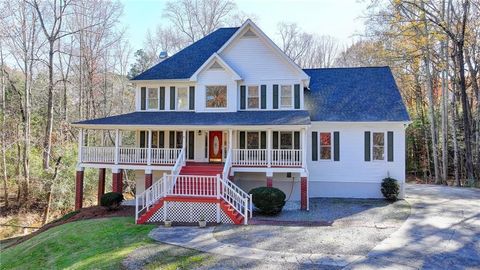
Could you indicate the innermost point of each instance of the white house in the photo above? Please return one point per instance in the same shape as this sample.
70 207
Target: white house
232 112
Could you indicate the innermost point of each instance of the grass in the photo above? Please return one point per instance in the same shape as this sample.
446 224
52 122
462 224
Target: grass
87 244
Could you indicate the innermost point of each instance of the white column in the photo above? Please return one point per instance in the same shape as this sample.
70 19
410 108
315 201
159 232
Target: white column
149 150
80 145
184 144
117 143
304 147
269 148
230 139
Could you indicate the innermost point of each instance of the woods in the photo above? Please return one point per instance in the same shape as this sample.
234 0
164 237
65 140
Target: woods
68 60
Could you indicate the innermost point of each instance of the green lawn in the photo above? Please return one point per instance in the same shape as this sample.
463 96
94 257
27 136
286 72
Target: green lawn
87 244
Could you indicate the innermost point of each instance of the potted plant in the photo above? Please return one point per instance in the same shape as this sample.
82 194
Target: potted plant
202 223
167 223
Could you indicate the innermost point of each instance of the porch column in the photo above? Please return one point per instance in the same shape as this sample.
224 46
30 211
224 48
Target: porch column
304 192
80 145
304 147
117 180
230 139
148 179
269 179
269 148
184 144
79 188
101 184
149 149
117 140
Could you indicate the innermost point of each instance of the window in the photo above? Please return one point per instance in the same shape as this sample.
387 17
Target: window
378 146
325 145
182 98
286 140
253 140
286 96
216 96
152 99
179 140
154 139
253 97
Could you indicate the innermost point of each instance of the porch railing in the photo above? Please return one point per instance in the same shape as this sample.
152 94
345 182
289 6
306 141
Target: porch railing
129 155
286 157
249 157
261 157
98 154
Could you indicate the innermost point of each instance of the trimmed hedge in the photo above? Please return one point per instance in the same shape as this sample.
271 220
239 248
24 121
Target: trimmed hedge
111 200
390 189
269 200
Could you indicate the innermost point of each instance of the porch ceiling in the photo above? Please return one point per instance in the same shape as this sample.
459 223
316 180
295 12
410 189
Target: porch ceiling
175 118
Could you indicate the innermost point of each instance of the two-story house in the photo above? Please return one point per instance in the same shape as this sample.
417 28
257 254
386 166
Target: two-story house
232 112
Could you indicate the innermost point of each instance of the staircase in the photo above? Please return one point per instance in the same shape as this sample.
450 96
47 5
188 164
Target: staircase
197 184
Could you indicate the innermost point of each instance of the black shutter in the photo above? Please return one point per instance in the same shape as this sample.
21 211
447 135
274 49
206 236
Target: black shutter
296 140
191 98
263 140
162 98
171 139
336 146
161 139
172 98
275 140
142 139
296 98
390 145
242 139
143 98
314 146
243 95
191 144
367 146
263 96
275 96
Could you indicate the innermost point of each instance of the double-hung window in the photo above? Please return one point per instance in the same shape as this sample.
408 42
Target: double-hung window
378 146
152 99
216 96
253 140
286 140
182 98
253 97
325 145
286 96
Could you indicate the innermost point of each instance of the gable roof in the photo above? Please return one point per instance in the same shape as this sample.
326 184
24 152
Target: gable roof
184 63
215 58
361 94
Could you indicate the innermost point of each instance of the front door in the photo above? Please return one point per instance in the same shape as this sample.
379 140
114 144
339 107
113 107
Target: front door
215 146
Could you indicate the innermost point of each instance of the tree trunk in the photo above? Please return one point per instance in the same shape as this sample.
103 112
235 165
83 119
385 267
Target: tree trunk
47 143
4 130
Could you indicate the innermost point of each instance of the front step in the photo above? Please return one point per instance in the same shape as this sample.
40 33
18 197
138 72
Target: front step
231 213
204 169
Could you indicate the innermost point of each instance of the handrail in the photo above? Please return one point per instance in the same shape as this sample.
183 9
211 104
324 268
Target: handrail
149 197
228 164
179 163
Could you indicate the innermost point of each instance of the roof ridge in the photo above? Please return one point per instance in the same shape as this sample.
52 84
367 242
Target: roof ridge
363 67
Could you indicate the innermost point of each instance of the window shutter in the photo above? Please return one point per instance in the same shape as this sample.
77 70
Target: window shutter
336 146
296 140
143 98
263 140
171 139
314 146
191 144
296 99
242 139
390 146
142 139
161 139
367 146
243 95
191 97
263 96
275 96
275 139
172 98
162 98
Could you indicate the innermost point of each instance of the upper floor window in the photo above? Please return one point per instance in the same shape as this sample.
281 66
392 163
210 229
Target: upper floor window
286 96
253 97
325 145
182 98
152 98
216 96
378 146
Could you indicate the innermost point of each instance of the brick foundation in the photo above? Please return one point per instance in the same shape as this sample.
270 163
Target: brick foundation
148 180
117 181
269 181
304 193
101 184
79 190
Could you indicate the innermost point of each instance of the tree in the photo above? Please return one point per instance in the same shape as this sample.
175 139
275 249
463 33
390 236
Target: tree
142 63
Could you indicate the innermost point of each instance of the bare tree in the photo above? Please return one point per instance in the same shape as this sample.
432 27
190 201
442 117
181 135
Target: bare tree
4 128
165 39
293 41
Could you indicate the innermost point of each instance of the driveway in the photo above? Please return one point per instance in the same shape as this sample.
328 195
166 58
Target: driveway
442 232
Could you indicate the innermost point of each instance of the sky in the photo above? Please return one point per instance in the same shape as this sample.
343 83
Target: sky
338 18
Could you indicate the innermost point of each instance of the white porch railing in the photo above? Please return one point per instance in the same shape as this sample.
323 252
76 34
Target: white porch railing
129 155
179 162
249 157
98 154
228 164
165 155
132 155
286 157
259 157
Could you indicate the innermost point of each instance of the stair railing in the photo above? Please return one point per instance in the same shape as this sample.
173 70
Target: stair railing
228 165
179 163
149 197
236 198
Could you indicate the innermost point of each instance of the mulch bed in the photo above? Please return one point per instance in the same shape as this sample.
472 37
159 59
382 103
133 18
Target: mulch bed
83 214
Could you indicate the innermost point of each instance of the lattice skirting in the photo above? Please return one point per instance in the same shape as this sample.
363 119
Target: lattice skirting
190 212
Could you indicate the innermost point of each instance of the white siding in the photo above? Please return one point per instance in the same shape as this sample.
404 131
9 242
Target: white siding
215 77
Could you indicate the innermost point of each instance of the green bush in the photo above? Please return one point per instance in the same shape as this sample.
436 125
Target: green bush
111 200
390 189
269 200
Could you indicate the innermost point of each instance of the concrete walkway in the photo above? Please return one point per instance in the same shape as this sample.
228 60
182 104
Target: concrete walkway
443 231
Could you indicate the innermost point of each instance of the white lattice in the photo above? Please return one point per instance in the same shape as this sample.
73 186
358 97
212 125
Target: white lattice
224 218
190 212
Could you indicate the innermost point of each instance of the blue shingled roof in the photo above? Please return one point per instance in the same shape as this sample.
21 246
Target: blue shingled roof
215 118
354 94
183 64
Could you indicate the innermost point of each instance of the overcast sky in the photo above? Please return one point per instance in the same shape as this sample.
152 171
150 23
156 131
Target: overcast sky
338 18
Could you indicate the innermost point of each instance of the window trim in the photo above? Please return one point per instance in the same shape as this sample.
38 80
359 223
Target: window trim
147 99
320 146
226 99
372 146
280 96
259 133
247 96
177 88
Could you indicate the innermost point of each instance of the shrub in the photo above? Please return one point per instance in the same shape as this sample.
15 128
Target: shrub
111 200
269 200
390 189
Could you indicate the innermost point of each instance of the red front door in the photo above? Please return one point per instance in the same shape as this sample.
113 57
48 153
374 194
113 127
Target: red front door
215 146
